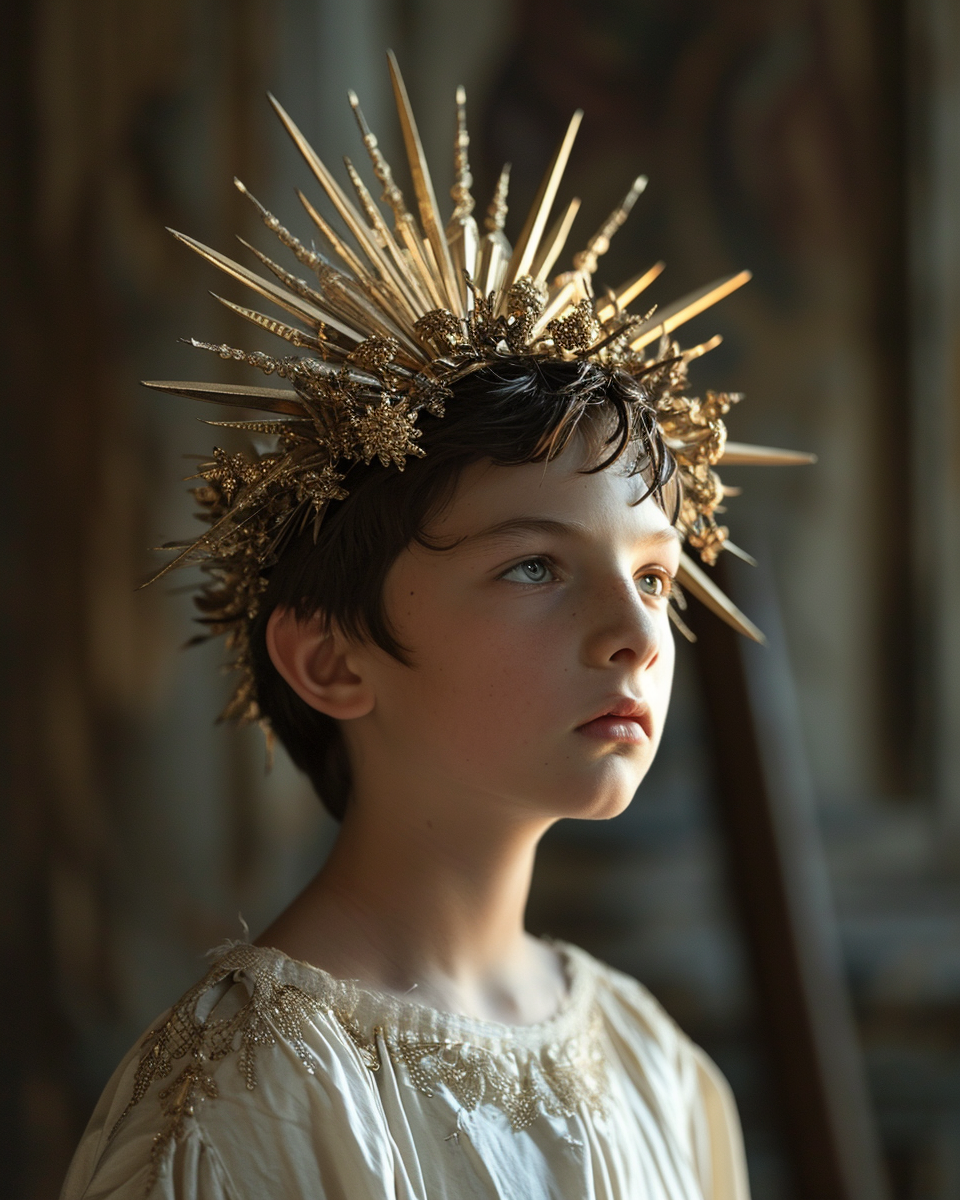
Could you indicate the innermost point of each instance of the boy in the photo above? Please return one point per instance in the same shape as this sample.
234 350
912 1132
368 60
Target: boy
458 654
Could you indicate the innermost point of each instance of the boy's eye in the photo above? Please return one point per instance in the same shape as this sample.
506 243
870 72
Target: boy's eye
531 570
654 583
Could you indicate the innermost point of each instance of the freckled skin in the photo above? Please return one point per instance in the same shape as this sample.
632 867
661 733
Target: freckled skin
461 758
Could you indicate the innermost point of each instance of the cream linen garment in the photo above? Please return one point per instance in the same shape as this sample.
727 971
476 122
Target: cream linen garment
272 1079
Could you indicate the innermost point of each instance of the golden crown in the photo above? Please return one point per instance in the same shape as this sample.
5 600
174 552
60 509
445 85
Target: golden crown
385 332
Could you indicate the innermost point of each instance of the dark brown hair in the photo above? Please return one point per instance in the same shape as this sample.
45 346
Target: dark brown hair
519 410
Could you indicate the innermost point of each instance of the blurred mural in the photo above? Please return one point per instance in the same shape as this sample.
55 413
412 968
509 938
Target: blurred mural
815 142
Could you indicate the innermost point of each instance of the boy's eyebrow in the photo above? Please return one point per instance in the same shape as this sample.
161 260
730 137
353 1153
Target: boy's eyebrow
550 525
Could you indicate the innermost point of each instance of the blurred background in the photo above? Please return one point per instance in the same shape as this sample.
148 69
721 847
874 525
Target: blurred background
816 142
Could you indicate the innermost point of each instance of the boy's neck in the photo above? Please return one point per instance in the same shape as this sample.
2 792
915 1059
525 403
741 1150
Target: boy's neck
430 907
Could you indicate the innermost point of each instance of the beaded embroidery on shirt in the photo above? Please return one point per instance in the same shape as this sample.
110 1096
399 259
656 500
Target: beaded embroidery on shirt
555 1082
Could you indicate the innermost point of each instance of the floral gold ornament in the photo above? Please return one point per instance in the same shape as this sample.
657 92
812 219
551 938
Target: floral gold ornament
384 326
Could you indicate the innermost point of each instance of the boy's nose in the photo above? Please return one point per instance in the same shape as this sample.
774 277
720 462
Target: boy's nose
622 628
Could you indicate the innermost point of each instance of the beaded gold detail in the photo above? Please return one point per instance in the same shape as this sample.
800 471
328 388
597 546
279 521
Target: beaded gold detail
384 334
575 1075
557 1081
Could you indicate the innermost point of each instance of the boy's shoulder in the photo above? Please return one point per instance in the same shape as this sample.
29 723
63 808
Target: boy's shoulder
246 1043
634 1017
617 986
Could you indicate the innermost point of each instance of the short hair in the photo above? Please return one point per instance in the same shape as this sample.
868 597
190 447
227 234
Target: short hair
518 410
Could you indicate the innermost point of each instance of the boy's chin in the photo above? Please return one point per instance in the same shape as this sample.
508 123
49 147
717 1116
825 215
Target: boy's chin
614 791
601 803
605 807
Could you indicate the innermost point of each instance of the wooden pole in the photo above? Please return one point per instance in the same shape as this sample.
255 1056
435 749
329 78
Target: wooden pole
778 875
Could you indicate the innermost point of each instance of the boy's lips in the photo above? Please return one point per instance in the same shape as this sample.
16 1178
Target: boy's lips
623 719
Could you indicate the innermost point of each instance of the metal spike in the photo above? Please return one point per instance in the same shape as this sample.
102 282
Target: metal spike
526 248
463 180
494 248
738 553
699 584
251 358
629 291
680 623
586 261
293 304
404 223
674 315
423 186
298 286
275 400
370 316
406 280
496 216
557 304
296 337
336 242
309 258
462 234
338 198
552 245
268 428
739 454
702 349
302 289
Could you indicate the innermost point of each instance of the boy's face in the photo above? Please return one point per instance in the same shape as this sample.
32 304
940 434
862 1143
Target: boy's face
540 650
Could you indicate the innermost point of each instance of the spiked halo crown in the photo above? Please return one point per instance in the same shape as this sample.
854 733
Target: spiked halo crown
383 333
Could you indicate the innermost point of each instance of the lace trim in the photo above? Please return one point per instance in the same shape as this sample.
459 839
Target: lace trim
556 1081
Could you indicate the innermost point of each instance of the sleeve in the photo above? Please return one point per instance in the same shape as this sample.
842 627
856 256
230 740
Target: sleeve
302 1120
192 1171
717 1137
683 1085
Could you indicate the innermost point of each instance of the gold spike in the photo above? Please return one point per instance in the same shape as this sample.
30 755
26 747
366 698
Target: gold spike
270 428
309 258
676 314
496 216
339 247
462 234
302 289
463 180
494 247
738 454
696 581
494 266
738 553
629 291
275 400
370 211
355 305
565 295
552 245
702 349
338 198
526 248
679 622
298 286
586 261
406 282
375 314
385 295
296 337
423 186
209 539
405 225
293 304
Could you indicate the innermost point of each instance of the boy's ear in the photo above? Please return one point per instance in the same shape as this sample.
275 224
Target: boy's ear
315 660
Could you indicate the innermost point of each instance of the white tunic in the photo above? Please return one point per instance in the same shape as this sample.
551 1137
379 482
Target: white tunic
271 1078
